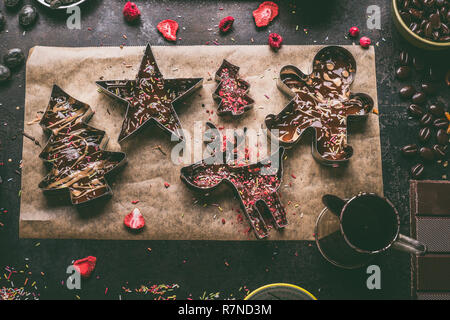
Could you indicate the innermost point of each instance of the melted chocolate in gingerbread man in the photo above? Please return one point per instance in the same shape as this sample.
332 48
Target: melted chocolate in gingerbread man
322 101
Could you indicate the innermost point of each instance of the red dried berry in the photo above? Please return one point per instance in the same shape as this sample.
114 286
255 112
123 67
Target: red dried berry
265 13
364 42
223 221
166 184
353 32
134 220
85 266
168 29
275 41
226 24
131 12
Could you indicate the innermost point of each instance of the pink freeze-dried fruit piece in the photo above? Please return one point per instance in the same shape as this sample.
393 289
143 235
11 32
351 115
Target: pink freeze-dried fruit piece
353 32
85 266
275 41
365 42
226 24
168 29
131 11
265 13
134 220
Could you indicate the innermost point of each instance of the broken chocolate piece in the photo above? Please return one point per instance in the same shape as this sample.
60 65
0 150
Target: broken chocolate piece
231 91
150 97
321 102
74 150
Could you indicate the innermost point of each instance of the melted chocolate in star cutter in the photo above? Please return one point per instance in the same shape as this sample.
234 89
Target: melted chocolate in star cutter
150 97
322 102
231 91
255 185
74 152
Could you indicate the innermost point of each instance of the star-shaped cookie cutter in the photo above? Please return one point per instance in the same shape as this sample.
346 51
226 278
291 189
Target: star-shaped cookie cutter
74 152
321 102
150 97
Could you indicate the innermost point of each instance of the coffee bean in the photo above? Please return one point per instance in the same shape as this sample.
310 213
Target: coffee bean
403 72
437 110
419 98
417 170
416 14
441 123
404 58
428 30
435 20
418 64
410 150
407 92
415 111
444 29
424 134
414 27
442 137
426 119
429 88
417 4
440 151
426 153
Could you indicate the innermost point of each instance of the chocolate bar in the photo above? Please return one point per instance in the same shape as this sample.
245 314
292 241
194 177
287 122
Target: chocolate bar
433 273
431 198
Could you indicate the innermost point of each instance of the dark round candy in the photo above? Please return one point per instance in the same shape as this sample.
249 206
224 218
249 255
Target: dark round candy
407 92
417 170
12 3
14 58
403 72
27 15
5 73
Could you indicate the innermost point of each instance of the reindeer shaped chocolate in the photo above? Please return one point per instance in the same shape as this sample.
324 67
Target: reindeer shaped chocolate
74 150
255 186
321 102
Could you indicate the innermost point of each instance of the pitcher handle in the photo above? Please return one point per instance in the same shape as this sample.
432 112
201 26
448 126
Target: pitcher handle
333 203
407 244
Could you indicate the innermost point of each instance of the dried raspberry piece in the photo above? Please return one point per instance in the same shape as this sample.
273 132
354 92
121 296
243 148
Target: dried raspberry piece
365 42
275 41
134 220
226 24
166 184
131 12
85 266
353 32
265 13
168 28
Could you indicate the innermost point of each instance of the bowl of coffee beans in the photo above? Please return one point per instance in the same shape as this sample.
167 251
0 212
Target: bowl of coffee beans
424 23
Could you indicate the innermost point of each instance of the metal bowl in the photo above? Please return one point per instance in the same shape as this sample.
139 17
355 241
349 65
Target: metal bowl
61 7
411 36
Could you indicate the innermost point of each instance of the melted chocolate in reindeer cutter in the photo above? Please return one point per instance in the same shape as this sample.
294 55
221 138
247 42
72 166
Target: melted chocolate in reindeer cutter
150 97
74 151
255 185
231 91
323 103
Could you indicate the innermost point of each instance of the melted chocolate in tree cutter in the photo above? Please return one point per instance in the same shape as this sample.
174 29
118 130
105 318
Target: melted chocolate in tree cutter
321 102
150 97
231 91
74 151
256 186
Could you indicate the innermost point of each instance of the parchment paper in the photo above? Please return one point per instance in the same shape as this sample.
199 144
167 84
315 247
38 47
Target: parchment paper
171 212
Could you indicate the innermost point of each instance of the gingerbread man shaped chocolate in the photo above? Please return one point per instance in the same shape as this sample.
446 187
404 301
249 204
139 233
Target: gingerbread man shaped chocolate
322 102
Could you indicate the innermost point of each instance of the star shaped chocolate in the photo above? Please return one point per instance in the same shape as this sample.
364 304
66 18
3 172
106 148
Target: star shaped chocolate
74 150
231 91
321 102
150 97
255 185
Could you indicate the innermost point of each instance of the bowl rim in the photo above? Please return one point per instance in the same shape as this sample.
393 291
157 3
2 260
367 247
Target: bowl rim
404 26
74 4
